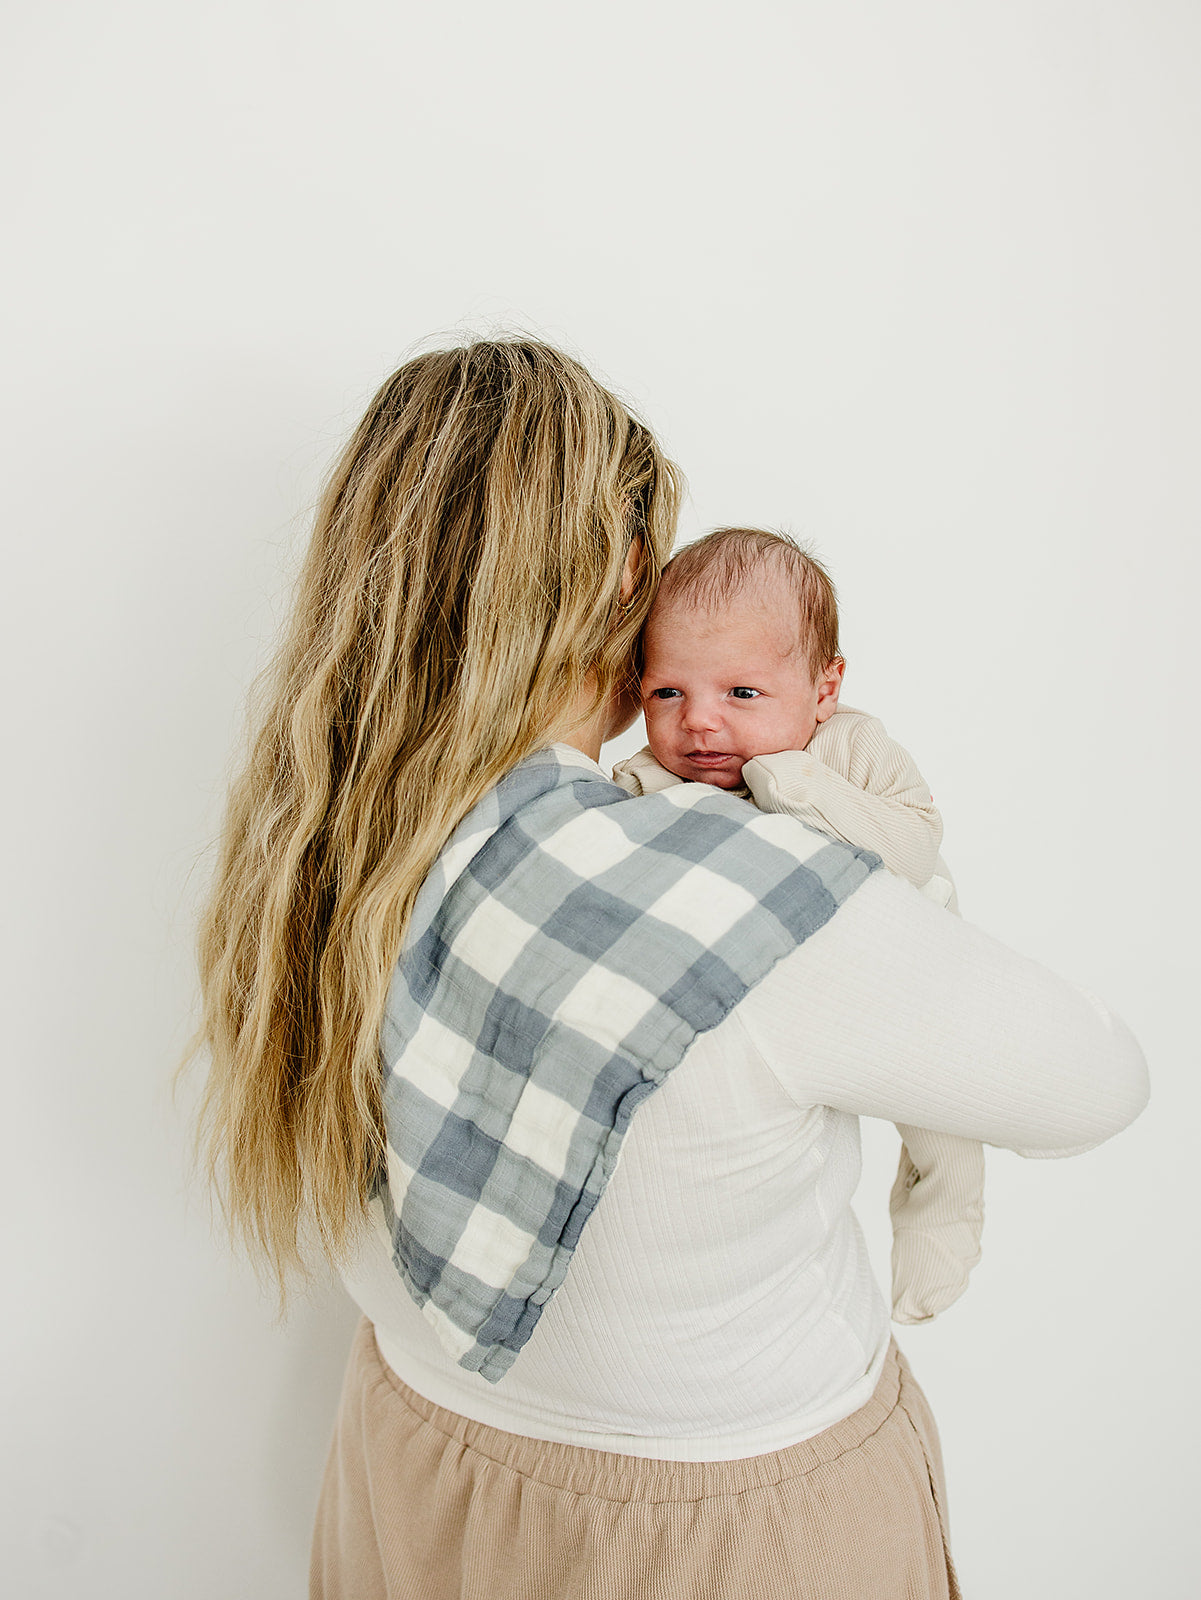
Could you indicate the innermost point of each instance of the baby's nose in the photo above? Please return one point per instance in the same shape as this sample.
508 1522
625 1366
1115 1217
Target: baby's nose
701 714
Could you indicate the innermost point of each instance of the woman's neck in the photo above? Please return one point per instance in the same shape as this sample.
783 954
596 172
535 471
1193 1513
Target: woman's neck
589 733
593 724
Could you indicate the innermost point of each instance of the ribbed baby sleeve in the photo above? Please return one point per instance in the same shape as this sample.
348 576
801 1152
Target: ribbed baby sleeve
855 782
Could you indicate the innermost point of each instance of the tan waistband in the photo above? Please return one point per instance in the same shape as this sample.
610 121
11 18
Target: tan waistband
610 1476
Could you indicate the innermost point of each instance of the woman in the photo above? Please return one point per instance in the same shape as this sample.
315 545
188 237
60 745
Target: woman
668 1377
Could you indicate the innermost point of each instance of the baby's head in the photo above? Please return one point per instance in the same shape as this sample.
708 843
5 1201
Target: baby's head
740 654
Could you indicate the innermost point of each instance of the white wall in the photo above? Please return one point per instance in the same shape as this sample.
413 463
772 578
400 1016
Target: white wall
918 281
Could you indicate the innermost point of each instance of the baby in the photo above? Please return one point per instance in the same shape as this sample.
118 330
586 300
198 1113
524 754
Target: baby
740 682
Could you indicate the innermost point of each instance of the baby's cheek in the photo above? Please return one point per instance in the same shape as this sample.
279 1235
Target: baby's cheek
652 716
794 730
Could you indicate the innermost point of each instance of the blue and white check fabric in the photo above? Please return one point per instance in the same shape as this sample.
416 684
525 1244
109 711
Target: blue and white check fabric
569 944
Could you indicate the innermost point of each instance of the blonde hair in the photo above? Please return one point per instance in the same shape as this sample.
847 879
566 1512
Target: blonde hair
714 569
461 592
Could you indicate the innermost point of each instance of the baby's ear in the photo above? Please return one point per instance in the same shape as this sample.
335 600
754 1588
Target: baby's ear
829 684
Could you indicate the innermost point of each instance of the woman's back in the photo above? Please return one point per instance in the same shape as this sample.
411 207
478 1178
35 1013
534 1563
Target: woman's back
719 1302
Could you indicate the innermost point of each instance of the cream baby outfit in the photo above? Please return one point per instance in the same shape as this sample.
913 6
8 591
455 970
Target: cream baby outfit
854 782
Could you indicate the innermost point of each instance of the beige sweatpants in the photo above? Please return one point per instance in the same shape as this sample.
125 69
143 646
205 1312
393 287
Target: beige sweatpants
419 1503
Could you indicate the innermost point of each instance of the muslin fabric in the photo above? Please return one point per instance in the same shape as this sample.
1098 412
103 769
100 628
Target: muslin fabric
568 946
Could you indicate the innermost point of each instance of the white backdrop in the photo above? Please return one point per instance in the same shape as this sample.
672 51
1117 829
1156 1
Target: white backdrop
917 281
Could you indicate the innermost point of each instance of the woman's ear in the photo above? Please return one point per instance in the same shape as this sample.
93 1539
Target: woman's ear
829 683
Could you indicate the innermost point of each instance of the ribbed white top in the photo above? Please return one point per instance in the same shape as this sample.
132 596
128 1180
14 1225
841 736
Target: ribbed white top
720 1302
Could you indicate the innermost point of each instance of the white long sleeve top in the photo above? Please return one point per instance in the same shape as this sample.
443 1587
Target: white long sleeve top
720 1303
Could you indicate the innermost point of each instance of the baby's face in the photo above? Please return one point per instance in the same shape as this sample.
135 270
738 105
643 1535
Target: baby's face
721 687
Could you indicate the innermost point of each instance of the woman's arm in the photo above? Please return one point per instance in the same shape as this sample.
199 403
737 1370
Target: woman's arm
895 1010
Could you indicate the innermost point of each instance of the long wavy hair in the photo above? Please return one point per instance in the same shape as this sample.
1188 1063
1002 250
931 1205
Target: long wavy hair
461 594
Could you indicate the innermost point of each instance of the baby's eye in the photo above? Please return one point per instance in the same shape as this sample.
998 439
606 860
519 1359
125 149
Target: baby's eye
745 694
662 694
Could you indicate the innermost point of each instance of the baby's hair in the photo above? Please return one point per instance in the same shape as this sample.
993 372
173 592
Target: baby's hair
721 565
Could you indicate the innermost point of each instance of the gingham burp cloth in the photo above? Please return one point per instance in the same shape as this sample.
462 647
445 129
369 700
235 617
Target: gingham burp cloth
568 946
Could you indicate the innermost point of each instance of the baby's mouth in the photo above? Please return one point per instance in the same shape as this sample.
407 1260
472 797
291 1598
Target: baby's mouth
710 758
